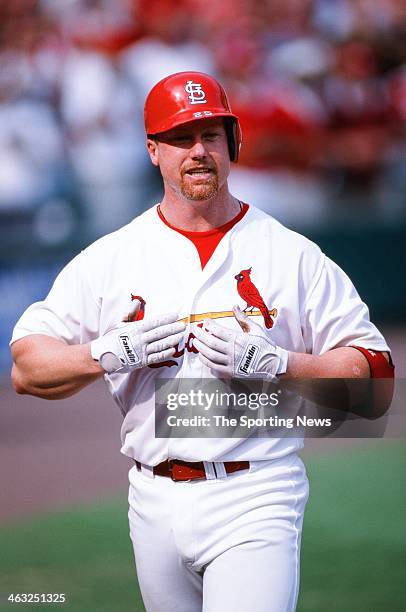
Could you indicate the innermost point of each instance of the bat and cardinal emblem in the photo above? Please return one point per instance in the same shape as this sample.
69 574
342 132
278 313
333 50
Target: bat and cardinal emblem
248 291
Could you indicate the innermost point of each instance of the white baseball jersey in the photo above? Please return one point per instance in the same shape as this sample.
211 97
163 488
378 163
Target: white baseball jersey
315 308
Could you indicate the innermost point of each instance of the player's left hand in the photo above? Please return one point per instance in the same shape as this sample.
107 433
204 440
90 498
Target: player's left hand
240 354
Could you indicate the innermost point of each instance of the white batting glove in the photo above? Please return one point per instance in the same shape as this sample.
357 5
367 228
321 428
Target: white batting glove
138 344
240 354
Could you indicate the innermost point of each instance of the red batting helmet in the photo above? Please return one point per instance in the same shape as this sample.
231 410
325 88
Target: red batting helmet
189 96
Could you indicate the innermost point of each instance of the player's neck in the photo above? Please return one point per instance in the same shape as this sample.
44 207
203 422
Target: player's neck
199 216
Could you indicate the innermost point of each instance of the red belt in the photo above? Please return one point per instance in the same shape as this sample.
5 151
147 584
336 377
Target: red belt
185 470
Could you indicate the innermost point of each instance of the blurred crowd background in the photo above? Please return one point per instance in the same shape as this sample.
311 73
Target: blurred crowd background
319 86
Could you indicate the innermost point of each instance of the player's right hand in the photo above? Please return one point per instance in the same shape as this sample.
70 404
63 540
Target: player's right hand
136 345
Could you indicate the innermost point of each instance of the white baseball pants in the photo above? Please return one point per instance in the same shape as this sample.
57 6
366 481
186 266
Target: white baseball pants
223 545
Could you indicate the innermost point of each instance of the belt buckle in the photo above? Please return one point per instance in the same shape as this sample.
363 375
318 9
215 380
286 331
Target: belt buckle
171 463
170 466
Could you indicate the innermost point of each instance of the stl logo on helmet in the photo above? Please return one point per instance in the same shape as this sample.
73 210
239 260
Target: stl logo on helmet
195 93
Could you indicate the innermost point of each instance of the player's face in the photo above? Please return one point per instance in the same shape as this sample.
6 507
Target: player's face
193 158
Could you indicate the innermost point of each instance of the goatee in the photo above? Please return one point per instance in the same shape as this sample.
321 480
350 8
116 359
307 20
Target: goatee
204 191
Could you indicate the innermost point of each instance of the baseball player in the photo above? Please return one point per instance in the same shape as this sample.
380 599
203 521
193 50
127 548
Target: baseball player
208 287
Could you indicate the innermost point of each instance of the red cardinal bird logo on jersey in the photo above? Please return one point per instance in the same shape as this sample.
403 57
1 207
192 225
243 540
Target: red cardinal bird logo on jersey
251 295
139 314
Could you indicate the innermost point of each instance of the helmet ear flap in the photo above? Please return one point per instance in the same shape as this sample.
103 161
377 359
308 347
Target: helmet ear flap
233 132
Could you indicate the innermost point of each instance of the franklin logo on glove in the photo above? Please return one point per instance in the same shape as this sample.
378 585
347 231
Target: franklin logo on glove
131 356
247 359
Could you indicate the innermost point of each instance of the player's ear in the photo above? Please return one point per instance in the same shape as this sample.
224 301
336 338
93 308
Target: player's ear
152 148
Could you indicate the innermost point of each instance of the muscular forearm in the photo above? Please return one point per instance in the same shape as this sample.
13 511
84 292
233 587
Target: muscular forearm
338 365
48 368
343 362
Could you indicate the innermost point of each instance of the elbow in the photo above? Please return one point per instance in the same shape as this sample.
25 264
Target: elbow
21 383
384 394
17 381
382 391
23 386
